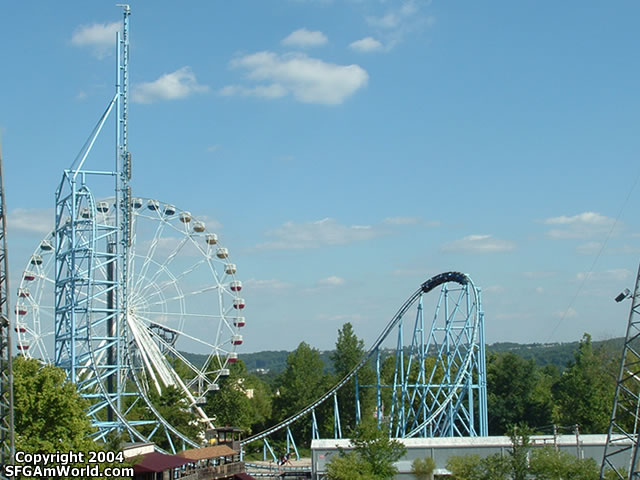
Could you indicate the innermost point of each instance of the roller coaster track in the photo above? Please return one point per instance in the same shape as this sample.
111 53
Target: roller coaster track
426 287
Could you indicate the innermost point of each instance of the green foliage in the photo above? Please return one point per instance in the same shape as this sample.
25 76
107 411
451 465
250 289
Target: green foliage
49 413
349 466
174 407
300 384
519 451
423 468
468 467
547 464
584 393
232 406
372 458
348 353
375 447
516 393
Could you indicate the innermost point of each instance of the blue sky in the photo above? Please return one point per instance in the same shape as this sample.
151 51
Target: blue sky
347 150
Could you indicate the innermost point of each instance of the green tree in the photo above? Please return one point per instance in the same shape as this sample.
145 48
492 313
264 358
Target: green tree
302 382
348 353
548 464
261 402
49 413
349 466
230 405
519 452
174 408
584 393
474 467
516 393
468 467
373 455
423 468
375 447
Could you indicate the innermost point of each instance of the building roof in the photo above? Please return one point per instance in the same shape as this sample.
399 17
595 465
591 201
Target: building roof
208 452
243 476
158 462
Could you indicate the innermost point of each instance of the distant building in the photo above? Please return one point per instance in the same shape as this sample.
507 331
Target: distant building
441 449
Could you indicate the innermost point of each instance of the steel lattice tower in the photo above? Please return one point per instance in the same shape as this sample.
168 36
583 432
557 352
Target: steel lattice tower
91 268
624 427
6 373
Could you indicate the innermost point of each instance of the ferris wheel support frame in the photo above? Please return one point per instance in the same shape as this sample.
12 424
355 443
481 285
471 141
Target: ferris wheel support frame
7 436
84 304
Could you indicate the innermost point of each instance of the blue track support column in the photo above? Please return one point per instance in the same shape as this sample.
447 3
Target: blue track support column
482 376
267 447
292 443
378 393
315 435
337 428
357 394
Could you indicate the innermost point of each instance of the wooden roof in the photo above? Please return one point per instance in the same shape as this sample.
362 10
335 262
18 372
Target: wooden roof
208 452
158 462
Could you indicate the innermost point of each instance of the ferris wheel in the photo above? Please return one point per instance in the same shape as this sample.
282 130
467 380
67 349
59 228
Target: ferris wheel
184 307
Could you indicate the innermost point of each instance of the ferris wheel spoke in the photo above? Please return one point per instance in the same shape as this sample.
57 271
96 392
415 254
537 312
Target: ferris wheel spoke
181 333
206 316
198 372
184 295
162 267
149 254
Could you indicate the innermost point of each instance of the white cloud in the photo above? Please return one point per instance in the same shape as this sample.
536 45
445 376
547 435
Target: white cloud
403 19
213 148
411 221
589 248
479 244
332 281
316 234
539 290
309 80
272 284
615 275
583 225
37 220
367 44
390 20
170 86
402 220
264 91
100 37
304 38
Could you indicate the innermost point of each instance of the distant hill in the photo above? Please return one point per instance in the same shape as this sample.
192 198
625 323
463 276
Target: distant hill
272 362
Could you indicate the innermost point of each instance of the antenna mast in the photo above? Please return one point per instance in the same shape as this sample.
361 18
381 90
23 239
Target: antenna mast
7 446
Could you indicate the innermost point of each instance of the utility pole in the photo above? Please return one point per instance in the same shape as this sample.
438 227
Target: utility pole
622 442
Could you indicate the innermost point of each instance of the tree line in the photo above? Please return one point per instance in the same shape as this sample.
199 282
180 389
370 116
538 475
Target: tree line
520 392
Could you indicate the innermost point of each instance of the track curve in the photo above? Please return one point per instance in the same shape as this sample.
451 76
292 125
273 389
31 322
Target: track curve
425 287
